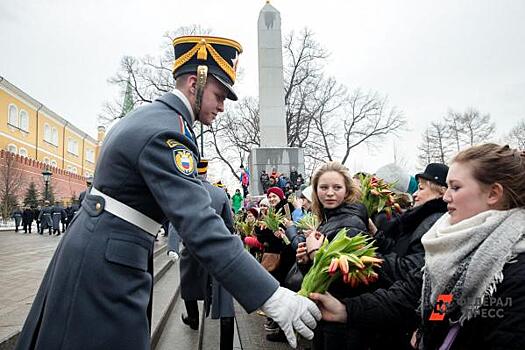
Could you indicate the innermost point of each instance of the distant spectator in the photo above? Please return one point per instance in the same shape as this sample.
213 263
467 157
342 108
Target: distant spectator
27 219
237 201
245 180
17 215
281 183
275 174
298 182
293 176
265 181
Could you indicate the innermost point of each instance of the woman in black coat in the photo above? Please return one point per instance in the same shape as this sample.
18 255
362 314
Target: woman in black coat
335 203
399 245
274 245
472 288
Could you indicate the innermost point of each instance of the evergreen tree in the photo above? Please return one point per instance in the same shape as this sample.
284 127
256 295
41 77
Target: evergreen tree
31 197
50 193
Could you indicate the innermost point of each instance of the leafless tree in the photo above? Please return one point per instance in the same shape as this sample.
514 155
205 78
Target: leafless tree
516 136
454 123
477 128
11 181
149 76
321 116
435 146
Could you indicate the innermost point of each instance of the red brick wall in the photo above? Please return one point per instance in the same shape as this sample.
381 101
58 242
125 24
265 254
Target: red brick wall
65 184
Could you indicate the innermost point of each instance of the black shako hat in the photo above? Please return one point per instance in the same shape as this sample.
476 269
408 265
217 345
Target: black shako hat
220 55
435 172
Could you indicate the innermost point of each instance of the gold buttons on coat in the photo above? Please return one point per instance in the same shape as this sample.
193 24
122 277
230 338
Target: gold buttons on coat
98 206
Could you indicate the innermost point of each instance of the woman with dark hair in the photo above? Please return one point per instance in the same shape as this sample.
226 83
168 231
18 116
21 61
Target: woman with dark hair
473 282
278 257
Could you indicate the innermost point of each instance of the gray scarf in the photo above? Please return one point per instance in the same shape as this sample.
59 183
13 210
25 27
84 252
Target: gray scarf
467 259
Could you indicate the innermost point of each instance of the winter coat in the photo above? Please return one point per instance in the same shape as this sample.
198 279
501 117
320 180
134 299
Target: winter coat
236 202
351 216
27 217
17 215
400 245
498 326
273 244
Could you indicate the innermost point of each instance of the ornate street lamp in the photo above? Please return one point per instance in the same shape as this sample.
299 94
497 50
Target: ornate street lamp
47 178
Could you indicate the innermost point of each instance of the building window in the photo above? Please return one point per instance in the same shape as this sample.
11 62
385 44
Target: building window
72 169
47 133
12 148
22 152
72 146
54 136
13 116
54 163
90 155
24 120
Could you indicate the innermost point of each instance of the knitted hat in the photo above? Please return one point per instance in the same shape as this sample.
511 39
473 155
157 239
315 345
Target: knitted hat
264 202
412 187
307 193
277 191
394 174
254 211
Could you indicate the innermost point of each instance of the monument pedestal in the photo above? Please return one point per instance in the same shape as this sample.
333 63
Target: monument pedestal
267 158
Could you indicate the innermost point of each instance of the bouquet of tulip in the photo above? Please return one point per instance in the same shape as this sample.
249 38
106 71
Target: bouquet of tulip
353 259
245 228
273 220
377 195
308 222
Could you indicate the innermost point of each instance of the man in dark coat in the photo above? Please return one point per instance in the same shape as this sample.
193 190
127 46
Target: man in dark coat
96 293
27 219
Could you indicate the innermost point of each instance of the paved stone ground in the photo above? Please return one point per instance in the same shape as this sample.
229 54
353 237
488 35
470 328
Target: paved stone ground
23 262
253 336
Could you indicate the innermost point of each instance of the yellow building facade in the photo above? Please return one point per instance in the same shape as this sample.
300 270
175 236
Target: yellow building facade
30 129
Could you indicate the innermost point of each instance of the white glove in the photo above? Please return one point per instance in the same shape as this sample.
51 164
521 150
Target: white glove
292 311
173 255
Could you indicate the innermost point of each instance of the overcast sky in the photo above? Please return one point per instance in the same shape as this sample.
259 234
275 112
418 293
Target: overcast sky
427 56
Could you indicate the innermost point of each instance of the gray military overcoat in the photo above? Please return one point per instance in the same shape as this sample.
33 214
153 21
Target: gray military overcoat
96 292
194 278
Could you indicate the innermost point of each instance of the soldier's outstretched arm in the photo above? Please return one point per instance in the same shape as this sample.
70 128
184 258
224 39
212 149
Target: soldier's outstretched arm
167 165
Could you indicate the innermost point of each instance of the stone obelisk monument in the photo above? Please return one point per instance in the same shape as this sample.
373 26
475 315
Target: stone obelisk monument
274 151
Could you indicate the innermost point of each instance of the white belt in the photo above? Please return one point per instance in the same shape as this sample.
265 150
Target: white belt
128 214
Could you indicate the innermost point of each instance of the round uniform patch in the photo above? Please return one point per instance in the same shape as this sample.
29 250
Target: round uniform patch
184 161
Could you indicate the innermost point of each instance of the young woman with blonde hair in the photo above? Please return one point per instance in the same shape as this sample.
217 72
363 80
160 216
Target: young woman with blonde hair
473 283
335 201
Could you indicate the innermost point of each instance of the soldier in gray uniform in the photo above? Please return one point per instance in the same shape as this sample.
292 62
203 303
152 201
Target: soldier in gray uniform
96 293
195 280
45 218
58 215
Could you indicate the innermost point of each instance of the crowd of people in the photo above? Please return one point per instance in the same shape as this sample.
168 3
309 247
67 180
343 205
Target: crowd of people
53 218
459 233
452 272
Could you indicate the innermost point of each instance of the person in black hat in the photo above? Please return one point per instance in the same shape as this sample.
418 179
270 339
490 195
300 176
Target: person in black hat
146 172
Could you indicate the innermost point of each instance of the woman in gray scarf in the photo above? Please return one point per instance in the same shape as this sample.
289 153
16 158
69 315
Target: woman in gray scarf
473 286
